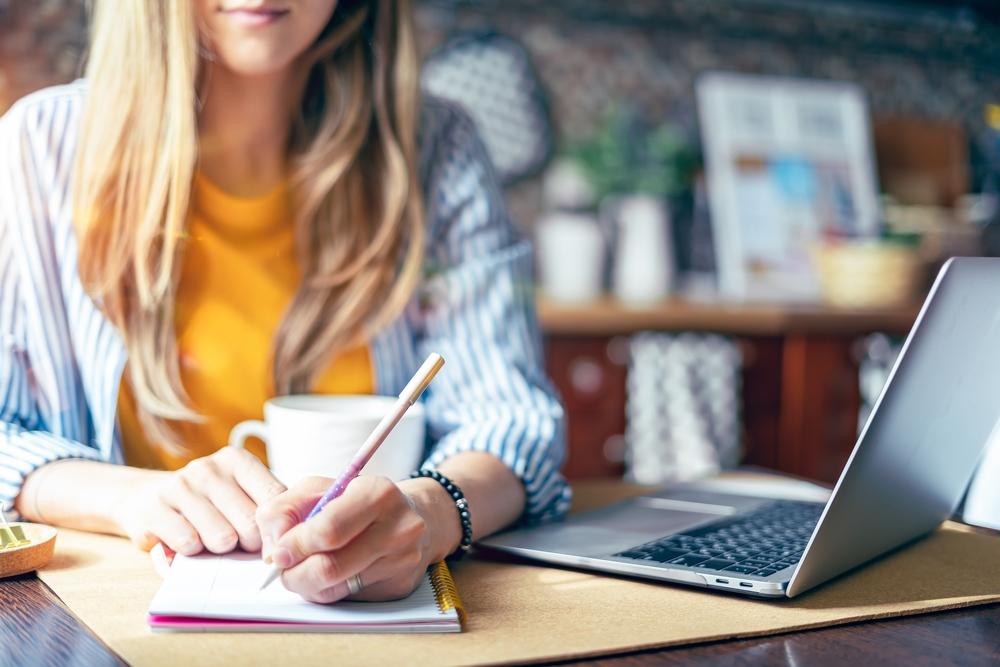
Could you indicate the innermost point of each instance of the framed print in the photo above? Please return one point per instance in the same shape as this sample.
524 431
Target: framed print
788 162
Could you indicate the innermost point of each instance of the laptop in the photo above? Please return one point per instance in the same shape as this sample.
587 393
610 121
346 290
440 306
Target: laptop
908 471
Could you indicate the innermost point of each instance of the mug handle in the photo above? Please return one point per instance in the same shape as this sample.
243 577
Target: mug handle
251 428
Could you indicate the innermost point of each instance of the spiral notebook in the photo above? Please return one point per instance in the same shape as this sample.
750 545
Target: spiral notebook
211 593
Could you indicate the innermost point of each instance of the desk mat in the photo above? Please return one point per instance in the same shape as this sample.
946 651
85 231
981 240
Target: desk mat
522 613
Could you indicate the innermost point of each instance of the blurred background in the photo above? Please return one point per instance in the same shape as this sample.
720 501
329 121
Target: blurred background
737 205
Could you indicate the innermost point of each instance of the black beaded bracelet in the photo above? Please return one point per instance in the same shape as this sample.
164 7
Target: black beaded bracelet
461 504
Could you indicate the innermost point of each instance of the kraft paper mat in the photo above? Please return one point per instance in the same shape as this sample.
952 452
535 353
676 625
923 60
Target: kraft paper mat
523 613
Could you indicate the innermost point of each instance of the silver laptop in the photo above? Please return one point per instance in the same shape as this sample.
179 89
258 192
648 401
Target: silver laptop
907 473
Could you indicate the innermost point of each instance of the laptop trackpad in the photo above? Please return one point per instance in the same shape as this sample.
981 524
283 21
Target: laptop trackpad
608 531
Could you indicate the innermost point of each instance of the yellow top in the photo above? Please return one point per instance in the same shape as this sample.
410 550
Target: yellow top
239 274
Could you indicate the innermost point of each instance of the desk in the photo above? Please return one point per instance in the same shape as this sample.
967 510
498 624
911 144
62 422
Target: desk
800 376
48 634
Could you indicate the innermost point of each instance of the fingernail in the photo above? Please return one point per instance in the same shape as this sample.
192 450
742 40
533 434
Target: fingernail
266 544
189 546
282 557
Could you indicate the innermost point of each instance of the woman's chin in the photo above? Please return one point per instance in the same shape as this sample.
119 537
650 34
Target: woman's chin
254 63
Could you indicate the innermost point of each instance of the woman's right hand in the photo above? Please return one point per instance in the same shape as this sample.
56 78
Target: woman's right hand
208 504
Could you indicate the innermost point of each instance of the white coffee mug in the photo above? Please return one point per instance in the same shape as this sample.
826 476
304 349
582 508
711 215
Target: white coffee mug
308 435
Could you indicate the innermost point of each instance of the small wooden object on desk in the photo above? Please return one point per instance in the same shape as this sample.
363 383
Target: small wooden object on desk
24 546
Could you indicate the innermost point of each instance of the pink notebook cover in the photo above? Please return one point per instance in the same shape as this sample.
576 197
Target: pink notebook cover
190 624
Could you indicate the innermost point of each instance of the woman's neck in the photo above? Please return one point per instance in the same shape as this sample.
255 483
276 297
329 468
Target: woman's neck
243 129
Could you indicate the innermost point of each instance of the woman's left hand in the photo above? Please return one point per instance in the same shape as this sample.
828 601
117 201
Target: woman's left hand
374 530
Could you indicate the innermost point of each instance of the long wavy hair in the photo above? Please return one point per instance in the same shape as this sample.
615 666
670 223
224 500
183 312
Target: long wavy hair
358 218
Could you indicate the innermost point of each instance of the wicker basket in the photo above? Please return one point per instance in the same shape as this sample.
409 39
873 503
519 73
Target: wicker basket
868 274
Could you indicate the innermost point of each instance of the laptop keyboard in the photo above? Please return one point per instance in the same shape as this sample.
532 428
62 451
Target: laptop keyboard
759 543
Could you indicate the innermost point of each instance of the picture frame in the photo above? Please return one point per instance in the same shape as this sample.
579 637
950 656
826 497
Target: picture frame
789 162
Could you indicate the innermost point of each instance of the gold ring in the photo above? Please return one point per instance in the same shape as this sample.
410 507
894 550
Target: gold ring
354 584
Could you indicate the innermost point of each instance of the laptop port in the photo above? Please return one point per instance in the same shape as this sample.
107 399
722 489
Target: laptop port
746 584
721 581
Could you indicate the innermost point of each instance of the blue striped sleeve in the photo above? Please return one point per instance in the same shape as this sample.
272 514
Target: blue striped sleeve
476 309
25 442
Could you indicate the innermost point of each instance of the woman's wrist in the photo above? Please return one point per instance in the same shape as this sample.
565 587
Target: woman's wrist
461 506
27 501
124 487
438 509
83 494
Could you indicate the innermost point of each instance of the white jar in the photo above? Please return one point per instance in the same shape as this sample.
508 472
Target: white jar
570 256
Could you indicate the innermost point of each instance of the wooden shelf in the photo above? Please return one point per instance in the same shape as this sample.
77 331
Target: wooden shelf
799 375
608 318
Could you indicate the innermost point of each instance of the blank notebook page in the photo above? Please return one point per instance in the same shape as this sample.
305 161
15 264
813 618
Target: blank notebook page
225 588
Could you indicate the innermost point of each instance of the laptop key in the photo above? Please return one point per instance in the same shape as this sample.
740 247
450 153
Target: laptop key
732 555
741 569
690 559
666 555
716 564
765 572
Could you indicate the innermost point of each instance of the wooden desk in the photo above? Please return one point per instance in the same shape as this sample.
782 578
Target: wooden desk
800 376
46 633
37 629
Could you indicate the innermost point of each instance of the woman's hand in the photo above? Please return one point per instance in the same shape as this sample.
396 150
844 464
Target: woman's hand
208 504
375 530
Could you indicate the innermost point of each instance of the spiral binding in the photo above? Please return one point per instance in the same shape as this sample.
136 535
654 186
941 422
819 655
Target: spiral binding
445 590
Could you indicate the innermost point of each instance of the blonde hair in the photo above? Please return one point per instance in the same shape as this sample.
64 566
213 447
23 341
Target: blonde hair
358 224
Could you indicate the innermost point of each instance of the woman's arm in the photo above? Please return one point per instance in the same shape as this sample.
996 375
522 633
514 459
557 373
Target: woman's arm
27 453
36 427
208 504
477 310
78 494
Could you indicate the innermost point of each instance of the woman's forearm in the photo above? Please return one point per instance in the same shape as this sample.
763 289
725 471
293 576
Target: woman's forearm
88 495
496 498
80 494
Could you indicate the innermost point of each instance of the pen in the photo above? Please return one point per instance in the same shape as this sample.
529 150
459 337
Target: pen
411 392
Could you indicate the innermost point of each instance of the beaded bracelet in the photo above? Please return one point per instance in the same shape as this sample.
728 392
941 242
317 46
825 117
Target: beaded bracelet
461 504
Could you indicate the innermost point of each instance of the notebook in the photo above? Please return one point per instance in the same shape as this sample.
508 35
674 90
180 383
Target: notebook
212 593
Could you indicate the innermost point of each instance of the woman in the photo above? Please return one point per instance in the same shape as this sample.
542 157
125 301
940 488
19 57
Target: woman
246 199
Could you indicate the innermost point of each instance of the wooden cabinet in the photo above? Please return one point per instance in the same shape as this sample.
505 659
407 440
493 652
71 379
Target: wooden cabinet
800 396
591 381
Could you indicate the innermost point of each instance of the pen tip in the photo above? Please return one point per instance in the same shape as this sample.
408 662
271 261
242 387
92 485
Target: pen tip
271 576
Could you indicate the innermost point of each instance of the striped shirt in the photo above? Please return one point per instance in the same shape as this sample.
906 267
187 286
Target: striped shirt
61 360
